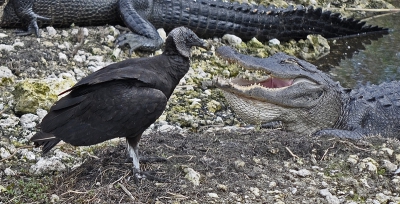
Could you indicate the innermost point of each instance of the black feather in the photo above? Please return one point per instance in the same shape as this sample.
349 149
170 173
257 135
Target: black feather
120 100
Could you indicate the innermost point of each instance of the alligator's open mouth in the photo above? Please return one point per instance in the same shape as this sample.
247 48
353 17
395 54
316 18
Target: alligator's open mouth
280 80
250 78
267 82
270 73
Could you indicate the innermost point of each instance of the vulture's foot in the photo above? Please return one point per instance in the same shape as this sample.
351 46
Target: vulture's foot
150 175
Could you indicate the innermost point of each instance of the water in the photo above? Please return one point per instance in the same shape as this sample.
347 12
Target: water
378 60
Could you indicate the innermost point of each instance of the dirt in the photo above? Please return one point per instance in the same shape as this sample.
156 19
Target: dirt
231 164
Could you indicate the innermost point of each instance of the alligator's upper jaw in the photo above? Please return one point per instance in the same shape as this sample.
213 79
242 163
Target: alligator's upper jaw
267 82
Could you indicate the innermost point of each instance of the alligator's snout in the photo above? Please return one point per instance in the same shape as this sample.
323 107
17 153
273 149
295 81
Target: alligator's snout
279 88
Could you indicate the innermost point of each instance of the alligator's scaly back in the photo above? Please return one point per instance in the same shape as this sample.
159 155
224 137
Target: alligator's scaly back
208 18
62 12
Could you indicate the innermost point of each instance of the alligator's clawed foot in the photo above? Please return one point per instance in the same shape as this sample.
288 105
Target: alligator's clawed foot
33 27
136 42
25 32
133 40
150 175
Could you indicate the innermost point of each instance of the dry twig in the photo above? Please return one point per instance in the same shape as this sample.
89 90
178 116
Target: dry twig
372 10
353 145
326 151
77 192
177 196
291 153
378 16
127 192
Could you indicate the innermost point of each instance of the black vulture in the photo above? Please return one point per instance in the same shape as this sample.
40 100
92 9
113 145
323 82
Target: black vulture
119 100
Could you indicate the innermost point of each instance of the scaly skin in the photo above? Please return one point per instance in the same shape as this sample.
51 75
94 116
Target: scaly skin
295 94
207 18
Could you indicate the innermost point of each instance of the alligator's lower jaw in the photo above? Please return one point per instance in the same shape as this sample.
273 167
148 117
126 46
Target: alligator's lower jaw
251 110
245 87
249 107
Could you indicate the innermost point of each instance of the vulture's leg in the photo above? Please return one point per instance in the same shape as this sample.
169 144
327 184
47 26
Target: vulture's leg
132 148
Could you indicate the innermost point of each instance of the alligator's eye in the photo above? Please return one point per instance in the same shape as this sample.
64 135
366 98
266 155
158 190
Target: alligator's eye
289 61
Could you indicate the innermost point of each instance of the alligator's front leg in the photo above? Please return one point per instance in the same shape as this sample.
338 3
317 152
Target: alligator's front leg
144 36
23 9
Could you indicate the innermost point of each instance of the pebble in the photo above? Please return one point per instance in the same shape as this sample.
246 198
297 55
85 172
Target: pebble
272 184
239 163
301 172
47 164
4 153
51 31
168 128
9 172
389 166
62 57
212 195
110 39
74 31
274 42
41 113
331 199
18 43
78 58
5 72
232 40
8 121
387 151
79 74
48 44
192 176
28 120
353 159
64 33
255 191
85 32
54 198
222 187
27 154
4 47
116 52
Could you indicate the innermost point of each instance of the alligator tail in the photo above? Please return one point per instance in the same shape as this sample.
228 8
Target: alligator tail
208 18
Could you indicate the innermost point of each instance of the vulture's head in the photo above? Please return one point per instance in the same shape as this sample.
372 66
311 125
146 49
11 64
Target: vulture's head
183 39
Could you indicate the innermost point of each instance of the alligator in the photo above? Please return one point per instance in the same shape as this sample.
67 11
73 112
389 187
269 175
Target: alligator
207 18
293 94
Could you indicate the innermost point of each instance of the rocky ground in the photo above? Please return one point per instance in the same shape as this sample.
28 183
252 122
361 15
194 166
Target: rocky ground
211 158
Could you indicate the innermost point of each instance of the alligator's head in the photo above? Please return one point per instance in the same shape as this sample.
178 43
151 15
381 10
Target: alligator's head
282 89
